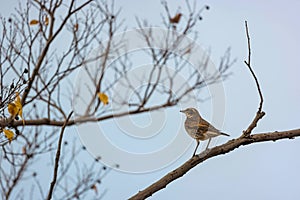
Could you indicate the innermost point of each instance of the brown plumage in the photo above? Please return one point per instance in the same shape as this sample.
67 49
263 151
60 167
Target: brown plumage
198 128
175 19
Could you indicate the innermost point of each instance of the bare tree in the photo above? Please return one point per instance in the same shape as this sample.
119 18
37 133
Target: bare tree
37 74
35 79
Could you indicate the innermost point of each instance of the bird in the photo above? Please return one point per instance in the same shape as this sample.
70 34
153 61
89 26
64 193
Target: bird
175 19
198 128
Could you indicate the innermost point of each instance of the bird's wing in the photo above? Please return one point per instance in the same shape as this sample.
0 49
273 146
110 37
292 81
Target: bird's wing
202 127
196 125
206 129
212 131
210 128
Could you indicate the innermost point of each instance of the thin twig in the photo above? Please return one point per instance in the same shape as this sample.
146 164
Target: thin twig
259 113
249 46
50 193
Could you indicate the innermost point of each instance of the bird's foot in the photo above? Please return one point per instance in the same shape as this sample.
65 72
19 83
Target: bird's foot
206 150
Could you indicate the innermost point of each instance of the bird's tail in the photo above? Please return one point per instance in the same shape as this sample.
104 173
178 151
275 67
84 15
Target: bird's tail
224 134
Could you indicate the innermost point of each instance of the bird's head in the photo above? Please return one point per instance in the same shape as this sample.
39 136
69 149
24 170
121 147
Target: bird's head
191 113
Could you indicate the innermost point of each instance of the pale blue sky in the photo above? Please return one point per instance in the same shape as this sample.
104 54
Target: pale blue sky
260 171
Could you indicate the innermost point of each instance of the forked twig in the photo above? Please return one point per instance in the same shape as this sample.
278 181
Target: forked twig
259 113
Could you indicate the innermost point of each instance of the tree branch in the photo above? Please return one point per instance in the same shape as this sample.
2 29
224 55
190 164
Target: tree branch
259 113
57 158
245 139
218 150
46 121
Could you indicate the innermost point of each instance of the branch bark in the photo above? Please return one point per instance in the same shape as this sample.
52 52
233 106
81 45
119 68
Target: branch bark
48 122
218 150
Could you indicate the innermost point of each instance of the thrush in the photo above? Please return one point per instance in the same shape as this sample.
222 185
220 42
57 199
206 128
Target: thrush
198 128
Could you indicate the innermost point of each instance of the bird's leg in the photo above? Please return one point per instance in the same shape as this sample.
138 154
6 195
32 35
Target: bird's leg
208 144
196 148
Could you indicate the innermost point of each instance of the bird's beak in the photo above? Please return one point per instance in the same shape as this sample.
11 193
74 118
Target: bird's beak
181 111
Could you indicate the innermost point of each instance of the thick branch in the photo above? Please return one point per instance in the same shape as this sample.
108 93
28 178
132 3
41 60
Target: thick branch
218 150
46 121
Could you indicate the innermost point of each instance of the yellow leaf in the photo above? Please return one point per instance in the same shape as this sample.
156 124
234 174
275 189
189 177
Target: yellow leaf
16 108
18 102
46 20
12 109
8 134
18 99
34 22
103 98
19 106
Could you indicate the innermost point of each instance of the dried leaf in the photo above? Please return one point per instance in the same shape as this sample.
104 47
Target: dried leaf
34 22
8 134
75 27
19 106
94 187
16 108
12 109
24 151
46 20
103 98
176 18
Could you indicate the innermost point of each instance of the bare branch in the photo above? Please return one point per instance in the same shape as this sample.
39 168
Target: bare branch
216 151
50 193
259 113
